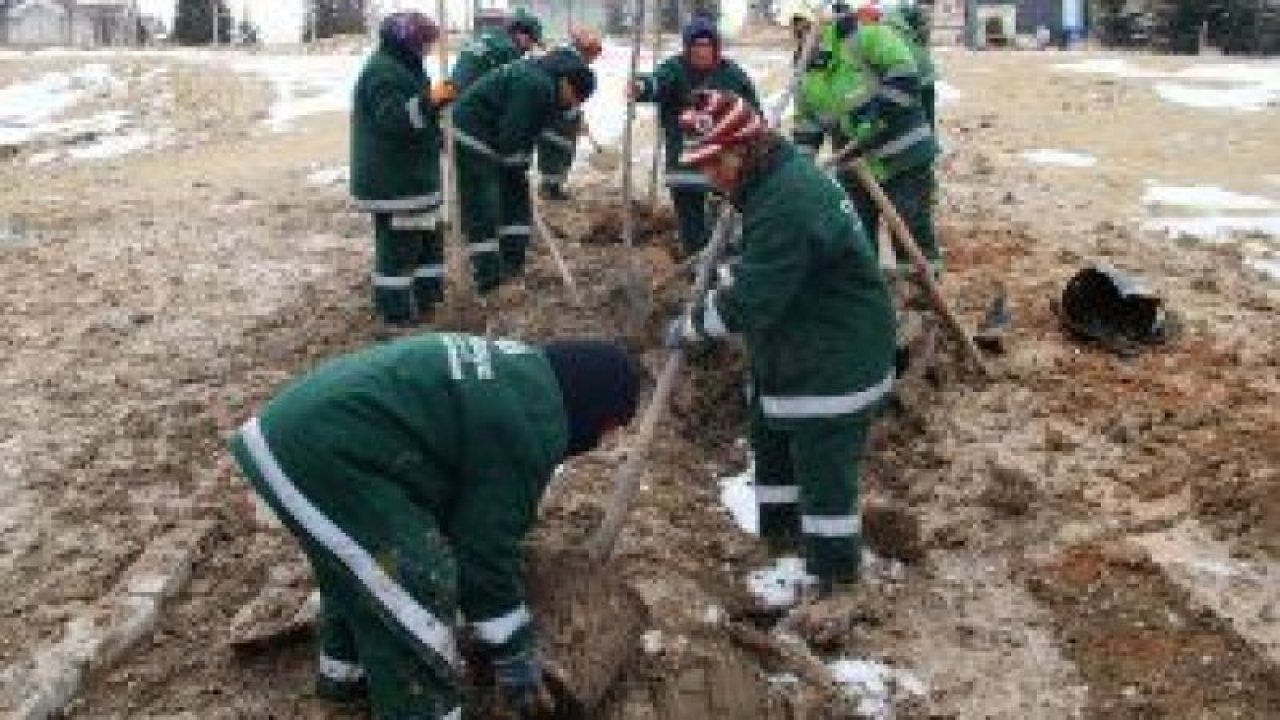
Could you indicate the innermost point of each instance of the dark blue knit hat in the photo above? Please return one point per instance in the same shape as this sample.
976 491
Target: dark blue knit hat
599 384
701 28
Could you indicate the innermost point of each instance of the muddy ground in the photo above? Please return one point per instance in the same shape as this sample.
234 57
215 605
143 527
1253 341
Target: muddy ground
1099 533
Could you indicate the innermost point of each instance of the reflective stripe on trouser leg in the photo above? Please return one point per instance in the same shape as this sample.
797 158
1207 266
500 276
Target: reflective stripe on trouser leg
339 675
395 259
555 156
691 214
514 222
380 560
481 206
826 455
428 276
777 495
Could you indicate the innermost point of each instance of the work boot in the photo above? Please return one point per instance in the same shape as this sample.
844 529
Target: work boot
553 192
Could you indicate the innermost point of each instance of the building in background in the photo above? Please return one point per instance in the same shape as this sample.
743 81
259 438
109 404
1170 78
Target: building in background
68 23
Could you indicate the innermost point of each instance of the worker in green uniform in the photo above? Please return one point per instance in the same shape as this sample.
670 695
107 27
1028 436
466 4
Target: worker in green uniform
558 144
808 297
701 66
410 473
912 23
497 122
395 168
490 50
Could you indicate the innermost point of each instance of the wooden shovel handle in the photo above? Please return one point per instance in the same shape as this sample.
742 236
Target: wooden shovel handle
906 242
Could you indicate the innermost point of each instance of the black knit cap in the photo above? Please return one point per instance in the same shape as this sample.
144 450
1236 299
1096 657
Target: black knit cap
567 64
599 383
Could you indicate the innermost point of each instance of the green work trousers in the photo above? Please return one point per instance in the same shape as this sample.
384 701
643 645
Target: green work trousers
496 217
807 489
387 579
408 265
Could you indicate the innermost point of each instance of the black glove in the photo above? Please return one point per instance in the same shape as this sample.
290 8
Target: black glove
520 686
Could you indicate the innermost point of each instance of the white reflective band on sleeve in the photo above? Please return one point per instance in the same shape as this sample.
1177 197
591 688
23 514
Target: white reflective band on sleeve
687 178
815 406
414 107
392 282
421 221
474 144
897 96
808 151
455 714
712 323
404 204
339 670
559 140
830 526
902 143
488 246
413 617
429 271
515 230
500 629
516 160
777 494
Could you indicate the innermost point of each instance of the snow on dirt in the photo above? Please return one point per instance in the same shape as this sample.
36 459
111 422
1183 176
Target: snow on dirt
1097 534
27 109
1060 158
876 686
1203 197
1236 87
782 584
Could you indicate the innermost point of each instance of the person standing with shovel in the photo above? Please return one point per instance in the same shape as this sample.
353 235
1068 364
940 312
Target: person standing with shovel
808 297
558 144
701 66
395 169
410 474
497 123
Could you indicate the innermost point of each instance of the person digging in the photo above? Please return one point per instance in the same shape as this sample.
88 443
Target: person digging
410 474
701 66
558 144
497 122
809 299
492 49
395 169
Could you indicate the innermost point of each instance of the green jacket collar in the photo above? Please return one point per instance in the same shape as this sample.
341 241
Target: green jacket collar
758 176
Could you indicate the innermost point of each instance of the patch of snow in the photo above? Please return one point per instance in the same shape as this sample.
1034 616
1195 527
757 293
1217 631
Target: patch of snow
948 94
1236 87
1060 158
738 495
1108 66
1216 228
1245 98
876 685
335 175
1206 197
304 85
1269 266
781 585
112 146
27 109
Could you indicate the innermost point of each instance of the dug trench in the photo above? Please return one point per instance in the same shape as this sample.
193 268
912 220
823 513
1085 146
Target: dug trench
992 612
680 552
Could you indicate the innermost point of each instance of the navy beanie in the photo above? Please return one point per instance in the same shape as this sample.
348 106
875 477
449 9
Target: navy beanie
701 28
600 385
568 64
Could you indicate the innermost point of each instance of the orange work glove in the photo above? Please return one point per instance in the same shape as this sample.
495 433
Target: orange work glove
442 93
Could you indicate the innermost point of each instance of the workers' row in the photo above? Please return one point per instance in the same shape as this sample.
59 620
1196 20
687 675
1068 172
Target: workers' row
411 472
869 82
